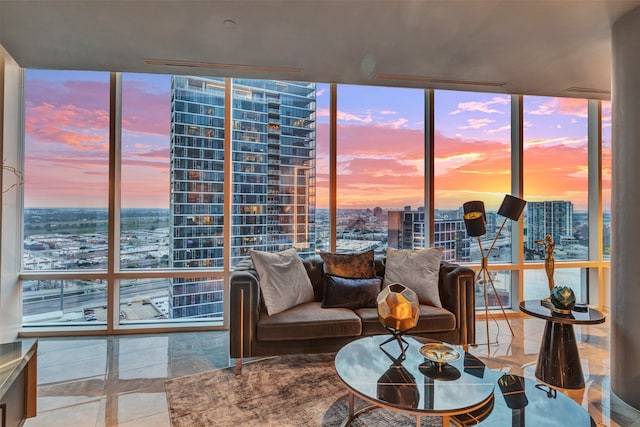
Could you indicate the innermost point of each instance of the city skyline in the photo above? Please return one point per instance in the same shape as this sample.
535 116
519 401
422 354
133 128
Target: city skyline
67 130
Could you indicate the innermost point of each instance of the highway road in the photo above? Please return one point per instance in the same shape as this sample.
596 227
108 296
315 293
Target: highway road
78 297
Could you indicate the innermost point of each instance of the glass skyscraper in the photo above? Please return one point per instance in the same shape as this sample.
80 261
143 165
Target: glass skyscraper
553 217
273 149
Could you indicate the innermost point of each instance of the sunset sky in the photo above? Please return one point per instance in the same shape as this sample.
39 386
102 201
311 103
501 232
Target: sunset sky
380 144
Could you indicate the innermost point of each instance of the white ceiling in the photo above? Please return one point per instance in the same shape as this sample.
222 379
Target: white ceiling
538 47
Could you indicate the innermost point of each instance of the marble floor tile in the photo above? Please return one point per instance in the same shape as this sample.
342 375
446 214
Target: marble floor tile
119 380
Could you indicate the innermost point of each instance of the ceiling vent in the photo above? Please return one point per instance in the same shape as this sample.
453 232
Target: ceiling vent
419 79
226 67
577 89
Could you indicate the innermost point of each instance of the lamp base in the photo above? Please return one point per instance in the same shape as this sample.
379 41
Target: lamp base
397 335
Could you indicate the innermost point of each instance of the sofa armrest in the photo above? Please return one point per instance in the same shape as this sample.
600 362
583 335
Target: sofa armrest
244 309
457 294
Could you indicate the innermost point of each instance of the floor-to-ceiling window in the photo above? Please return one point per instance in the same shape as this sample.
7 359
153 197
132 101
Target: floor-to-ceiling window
380 168
472 161
144 200
556 187
169 175
66 169
174 243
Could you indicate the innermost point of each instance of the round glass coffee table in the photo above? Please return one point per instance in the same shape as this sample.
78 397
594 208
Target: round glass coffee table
412 383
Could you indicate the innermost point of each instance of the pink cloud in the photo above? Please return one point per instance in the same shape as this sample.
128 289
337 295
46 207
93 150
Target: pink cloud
567 106
68 125
573 107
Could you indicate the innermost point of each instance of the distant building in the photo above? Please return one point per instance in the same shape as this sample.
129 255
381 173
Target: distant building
406 230
451 236
273 158
553 217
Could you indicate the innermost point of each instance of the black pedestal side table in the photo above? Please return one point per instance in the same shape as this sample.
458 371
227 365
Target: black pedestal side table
559 361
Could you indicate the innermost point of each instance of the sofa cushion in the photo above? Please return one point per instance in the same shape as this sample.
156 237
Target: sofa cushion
432 319
284 282
309 321
418 270
350 293
351 266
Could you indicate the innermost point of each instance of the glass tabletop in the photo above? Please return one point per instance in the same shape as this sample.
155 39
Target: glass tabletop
536 309
523 402
414 384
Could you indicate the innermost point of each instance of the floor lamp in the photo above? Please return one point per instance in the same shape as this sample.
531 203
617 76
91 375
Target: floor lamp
475 220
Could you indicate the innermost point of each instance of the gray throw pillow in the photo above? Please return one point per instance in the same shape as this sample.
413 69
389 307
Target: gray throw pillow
418 270
340 292
284 282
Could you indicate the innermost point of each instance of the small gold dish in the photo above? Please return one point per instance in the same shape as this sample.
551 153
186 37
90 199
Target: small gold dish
439 353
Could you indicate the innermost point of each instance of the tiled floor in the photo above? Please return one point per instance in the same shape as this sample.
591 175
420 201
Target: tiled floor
119 381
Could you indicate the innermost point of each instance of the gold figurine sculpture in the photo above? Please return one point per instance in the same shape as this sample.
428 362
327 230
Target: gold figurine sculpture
549 261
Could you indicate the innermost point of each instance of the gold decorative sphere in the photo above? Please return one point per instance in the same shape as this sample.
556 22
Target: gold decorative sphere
398 307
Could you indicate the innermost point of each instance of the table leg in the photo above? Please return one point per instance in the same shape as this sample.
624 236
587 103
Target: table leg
559 360
351 406
445 421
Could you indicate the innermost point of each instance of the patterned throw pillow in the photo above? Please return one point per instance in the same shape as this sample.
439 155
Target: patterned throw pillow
418 270
284 282
351 266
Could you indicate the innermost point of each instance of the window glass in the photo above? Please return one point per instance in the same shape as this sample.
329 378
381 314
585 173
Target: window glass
274 167
66 185
64 302
172 189
380 182
606 179
66 164
537 284
323 105
145 190
555 177
472 161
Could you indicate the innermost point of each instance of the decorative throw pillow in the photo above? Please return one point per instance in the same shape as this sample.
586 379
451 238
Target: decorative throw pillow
416 269
350 293
351 266
284 282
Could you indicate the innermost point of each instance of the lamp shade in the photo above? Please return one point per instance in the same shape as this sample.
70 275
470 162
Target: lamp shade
474 218
511 207
398 307
512 388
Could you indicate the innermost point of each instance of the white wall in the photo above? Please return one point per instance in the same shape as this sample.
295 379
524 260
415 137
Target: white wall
10 135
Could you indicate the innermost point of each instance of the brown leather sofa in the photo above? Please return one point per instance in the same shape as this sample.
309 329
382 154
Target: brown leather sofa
308 328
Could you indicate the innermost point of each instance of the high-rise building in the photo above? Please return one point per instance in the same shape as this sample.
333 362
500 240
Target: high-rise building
554 217
450 235
273 177
405 229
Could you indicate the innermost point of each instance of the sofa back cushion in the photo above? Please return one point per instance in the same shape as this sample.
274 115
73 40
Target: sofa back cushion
418 270
284 282
350 266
